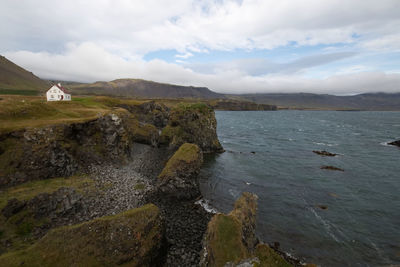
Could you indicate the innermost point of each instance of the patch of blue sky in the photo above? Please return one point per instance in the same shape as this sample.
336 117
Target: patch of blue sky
385 62
282 54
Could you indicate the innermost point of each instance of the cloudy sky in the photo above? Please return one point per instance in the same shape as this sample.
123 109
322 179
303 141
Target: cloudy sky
232 46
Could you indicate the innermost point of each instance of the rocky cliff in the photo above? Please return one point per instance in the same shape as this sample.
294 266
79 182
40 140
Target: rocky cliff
236 105
133 154
192 123
132 238
64 149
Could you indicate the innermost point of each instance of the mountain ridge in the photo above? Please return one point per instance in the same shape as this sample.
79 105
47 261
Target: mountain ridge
144 89
366 101
17 80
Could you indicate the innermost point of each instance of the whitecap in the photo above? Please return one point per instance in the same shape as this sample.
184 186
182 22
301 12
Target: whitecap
324 144
326 225
234 193
205 203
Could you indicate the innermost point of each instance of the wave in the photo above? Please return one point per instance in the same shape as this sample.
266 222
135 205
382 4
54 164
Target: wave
324 144
205 203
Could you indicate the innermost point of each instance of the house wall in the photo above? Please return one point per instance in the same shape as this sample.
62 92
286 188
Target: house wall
55 94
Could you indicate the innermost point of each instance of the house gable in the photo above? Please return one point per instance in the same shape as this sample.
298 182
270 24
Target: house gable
58 93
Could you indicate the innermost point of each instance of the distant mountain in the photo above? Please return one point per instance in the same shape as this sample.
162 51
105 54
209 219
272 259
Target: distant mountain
143 89
370 101
16 80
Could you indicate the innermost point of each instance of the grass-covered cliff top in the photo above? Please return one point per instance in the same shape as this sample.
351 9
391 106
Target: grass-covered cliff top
17 112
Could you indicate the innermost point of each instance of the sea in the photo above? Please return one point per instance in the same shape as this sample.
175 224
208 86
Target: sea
320 216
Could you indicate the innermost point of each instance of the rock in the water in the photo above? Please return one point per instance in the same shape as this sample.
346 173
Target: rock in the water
324 153
134 238
395 143
230 239
332 168
178 179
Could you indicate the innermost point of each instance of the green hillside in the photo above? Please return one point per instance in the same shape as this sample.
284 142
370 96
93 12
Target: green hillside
16 80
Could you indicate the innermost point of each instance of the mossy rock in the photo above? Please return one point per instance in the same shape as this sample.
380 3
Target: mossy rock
179 176
132 238
231 238
224 241
268 257
192 123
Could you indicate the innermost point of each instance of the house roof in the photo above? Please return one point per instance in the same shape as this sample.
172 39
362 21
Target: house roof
62 88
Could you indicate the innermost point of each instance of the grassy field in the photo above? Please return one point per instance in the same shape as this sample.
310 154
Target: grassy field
18 112
22 111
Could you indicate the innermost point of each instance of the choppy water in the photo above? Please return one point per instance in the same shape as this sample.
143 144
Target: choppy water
361 225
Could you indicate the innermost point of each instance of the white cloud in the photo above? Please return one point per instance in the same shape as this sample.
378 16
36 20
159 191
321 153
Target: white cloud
184 56
89 62
138 27
108 39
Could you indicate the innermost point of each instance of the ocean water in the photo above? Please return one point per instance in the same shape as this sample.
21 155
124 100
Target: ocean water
270 154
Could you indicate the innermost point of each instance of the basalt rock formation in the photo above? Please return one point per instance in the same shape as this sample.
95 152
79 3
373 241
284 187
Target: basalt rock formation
61 150
195 124
179 176
230 239
132 238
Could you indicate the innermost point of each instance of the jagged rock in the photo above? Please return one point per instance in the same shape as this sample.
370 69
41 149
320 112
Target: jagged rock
178 179
324 153
395 143
230 239
150 112
134 238
13 206
65 201
192 123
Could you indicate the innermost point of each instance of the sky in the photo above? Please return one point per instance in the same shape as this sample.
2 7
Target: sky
340 47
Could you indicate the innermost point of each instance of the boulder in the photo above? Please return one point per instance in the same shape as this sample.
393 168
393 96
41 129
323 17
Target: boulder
178 179
132 238
230 239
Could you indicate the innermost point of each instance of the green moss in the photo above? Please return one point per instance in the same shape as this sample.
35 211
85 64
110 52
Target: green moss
199 106
269 258
129 237
12 150
18 227
225 240
186 154
27 191
171 134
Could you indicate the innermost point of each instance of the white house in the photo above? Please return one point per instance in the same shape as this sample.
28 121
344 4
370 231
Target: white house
58 93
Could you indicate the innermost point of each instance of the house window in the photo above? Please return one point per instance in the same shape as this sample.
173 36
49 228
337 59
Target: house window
52 96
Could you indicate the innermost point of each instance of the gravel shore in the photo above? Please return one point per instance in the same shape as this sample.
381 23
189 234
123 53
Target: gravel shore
120 188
